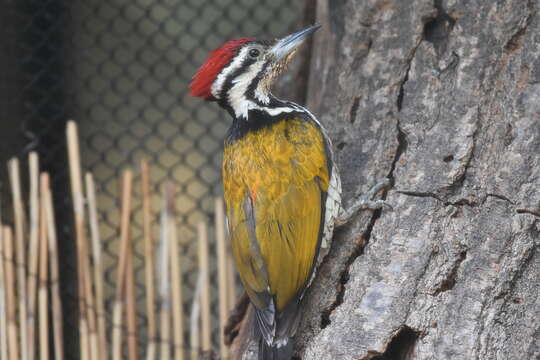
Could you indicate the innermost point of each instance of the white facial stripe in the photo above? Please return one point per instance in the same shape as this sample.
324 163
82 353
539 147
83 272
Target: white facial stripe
229 69
275 111
237 93
246 105
261 94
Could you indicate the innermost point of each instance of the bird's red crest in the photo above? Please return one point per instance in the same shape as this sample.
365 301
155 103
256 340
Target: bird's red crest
201 84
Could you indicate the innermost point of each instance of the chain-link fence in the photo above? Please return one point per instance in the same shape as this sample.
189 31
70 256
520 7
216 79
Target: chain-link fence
121 69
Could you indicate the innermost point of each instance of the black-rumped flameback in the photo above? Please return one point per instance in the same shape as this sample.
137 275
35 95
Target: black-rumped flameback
282 189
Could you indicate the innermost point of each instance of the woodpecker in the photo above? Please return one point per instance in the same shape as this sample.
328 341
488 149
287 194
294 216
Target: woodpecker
281 186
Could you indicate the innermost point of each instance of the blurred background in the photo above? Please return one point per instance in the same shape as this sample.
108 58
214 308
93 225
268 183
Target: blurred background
121 70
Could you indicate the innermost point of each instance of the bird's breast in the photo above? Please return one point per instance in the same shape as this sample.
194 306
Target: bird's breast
270 159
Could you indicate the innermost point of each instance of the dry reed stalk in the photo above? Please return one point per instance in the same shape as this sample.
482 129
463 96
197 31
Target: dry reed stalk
78 210
194 333
164 289
89 342
222 275
43 273
92 322
3 313
148 261
98 265
33 254
131 311
165 333
125 224
10 295
94 350
176 272
83 338
206 328
117 329
57 318
18 211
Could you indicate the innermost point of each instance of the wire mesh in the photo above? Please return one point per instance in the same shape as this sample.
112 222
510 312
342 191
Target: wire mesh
121 69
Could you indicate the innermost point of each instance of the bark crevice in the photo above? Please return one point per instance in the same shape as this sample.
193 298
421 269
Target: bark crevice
515 43
471 200
437 30
450 280
500 197
528 211
400 346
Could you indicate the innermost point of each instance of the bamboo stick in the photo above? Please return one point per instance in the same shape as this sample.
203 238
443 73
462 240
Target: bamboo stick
222 275
10 295
3 313
94 349
131 311
43 274
90 307
92 322
98 265
93 341
149 262
57 318
164 289
176 272
117 329
18 211
121 272
78 209
165 335
194 333
83 338
86 300
33 255
206 329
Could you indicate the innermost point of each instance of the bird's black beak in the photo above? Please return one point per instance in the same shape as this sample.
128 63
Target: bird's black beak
290 43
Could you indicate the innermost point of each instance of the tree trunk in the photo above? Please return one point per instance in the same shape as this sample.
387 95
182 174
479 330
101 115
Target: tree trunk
442 97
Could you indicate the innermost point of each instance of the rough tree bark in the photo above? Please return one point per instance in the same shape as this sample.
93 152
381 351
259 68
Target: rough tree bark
442 97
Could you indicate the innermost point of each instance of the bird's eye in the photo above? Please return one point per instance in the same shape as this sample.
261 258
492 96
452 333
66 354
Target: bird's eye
254 53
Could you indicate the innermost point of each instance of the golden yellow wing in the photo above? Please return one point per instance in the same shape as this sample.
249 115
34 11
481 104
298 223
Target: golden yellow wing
275 182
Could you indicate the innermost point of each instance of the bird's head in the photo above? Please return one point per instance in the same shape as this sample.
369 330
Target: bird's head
239 74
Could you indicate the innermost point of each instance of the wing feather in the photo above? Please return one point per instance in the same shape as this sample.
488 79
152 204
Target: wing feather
276 181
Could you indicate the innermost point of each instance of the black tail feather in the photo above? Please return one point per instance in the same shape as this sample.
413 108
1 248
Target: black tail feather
275 352
275 331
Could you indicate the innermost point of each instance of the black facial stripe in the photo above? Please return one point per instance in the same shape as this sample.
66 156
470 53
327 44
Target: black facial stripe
250 94
227 85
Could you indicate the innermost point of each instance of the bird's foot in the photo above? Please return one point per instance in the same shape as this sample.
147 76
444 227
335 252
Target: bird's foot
365 201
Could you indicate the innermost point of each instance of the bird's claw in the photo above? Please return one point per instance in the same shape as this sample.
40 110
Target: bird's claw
365 201
376 205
